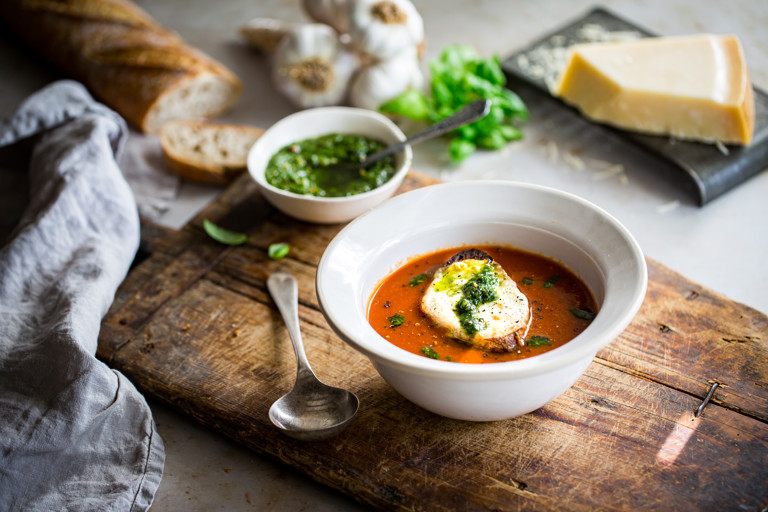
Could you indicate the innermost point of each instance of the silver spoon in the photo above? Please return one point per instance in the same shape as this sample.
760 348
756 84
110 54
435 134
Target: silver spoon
472 112
311 410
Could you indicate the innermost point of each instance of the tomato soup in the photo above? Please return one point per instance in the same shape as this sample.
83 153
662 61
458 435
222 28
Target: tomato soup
561 306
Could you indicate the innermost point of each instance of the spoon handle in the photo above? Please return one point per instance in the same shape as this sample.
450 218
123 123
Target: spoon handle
285 292
472 112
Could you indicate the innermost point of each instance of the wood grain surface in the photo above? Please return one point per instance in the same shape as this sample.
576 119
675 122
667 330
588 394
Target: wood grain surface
194 326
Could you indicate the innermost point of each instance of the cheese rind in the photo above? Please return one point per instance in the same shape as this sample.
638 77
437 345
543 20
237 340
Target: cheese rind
688 87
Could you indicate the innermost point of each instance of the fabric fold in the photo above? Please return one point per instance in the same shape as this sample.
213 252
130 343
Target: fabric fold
75 434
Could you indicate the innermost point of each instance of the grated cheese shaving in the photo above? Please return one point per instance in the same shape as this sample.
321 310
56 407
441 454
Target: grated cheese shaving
574 161
608 173
552 151
667 207
722 147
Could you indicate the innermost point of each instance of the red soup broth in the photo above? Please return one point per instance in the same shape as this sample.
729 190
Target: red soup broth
560 304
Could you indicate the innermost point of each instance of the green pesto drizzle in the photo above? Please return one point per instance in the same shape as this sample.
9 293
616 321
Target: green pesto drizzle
479 290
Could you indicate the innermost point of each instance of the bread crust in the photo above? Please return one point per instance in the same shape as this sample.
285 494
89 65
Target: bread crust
127 59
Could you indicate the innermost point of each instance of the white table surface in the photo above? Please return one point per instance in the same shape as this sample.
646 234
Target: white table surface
722 245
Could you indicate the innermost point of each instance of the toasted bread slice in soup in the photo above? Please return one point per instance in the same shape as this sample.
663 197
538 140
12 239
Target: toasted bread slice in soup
477 302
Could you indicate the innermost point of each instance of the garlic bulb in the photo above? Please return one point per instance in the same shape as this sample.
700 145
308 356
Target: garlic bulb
384 28
311 67
265 34
331 12
378 83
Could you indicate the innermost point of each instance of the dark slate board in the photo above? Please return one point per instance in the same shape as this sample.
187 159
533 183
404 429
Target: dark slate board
705 167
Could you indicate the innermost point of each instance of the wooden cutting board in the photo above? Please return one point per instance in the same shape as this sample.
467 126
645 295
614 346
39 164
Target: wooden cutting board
194 326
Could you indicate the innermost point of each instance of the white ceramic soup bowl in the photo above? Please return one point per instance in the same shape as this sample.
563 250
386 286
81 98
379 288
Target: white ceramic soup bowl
559 225
315 122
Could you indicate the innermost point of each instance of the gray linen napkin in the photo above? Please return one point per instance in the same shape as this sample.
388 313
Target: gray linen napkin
74 434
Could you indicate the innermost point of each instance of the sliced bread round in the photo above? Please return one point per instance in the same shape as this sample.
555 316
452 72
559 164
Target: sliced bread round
206 152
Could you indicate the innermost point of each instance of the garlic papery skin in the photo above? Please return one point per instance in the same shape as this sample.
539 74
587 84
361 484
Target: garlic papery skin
380 82
384 28
331 12
311 67
264 34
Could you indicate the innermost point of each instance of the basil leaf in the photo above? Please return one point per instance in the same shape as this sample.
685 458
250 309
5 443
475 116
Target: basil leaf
538 341
549 283
411 104
458 55
417 280
493 140
583 314
511 132
460 149
396 320
430 353
224 236
526 280
278 250
459 76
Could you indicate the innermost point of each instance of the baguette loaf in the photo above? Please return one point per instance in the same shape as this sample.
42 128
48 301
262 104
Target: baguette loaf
206 152
145 72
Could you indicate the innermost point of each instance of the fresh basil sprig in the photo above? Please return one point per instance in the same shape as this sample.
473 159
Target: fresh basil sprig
459 77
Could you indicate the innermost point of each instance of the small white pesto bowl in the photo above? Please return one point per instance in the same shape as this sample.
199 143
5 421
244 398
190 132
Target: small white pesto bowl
315 122
559 225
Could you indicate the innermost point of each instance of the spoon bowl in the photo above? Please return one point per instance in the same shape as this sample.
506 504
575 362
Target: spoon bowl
312 410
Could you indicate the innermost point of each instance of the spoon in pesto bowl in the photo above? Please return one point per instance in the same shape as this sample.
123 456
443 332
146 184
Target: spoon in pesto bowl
470 113
311 410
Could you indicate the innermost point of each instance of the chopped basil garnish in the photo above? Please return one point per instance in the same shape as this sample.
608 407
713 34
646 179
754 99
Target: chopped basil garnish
429 352
417 280
396 320
549 283
583 314
526 280
538 341
277 251
223 236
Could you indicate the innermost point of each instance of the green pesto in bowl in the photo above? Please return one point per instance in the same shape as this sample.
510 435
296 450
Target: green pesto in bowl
302 167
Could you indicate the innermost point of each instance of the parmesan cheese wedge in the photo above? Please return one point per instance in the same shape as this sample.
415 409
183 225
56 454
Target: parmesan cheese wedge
689 87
